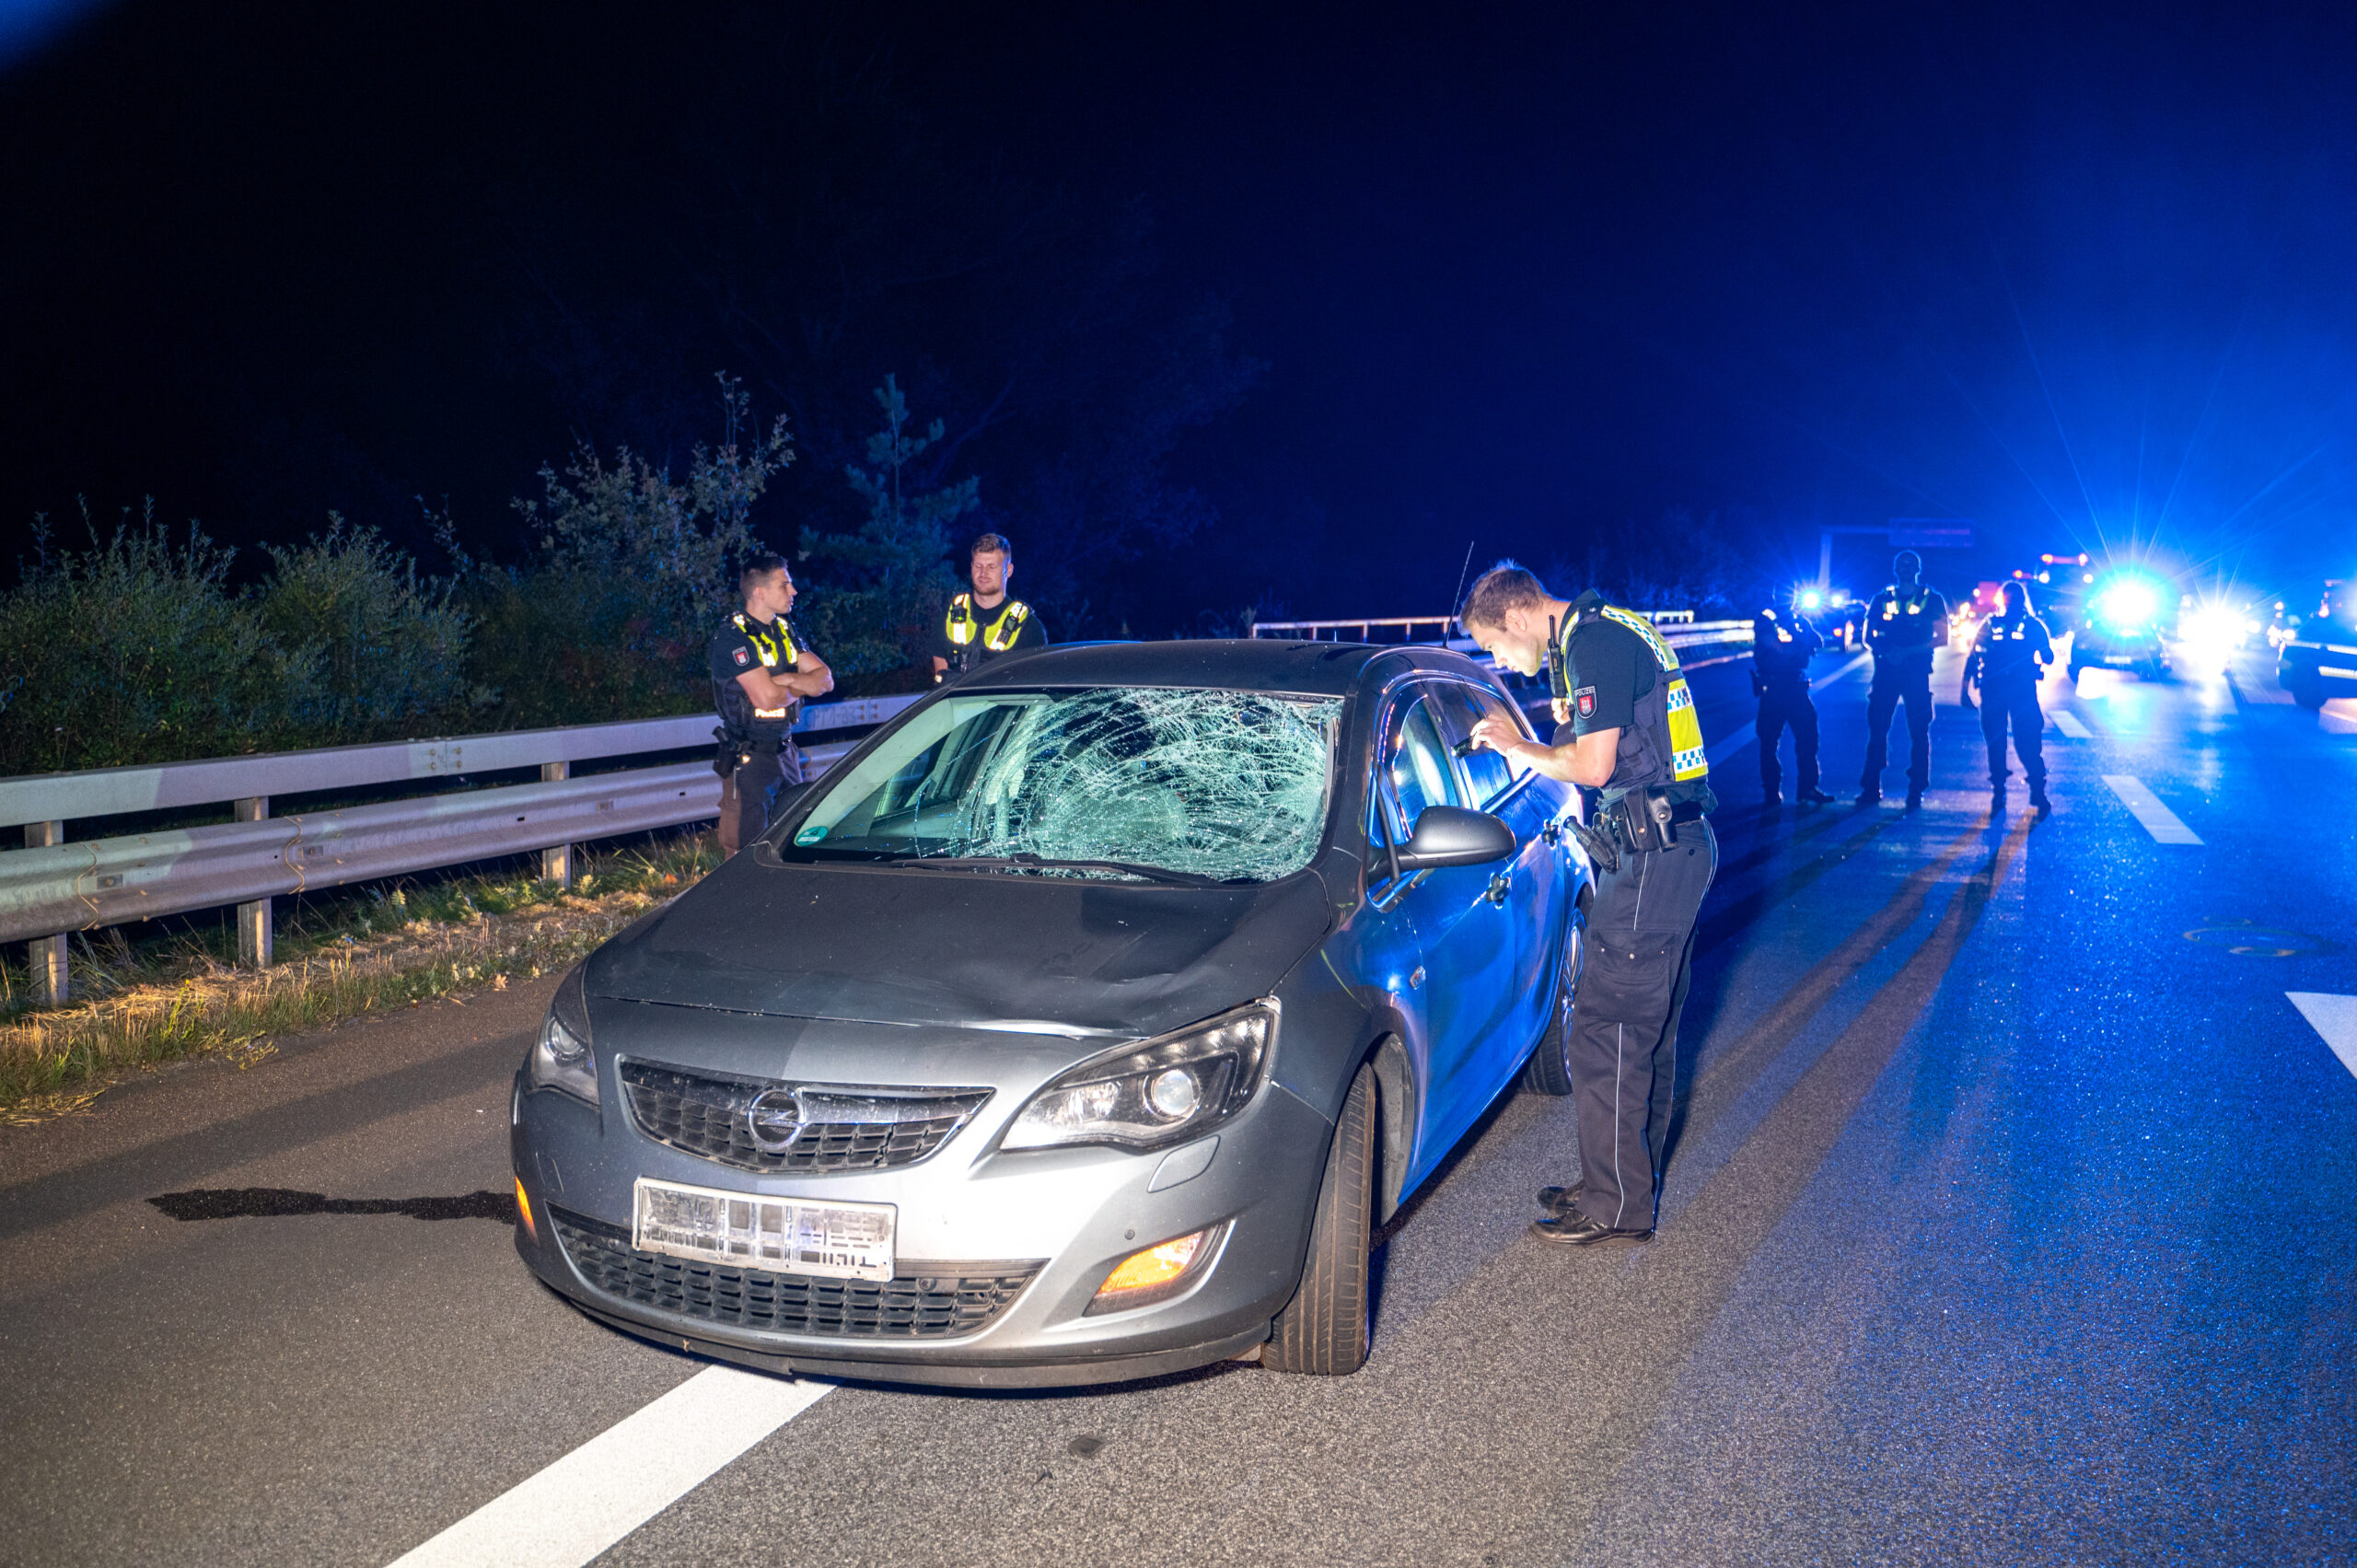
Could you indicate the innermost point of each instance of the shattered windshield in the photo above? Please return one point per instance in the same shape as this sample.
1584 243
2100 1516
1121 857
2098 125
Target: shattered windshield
1212 785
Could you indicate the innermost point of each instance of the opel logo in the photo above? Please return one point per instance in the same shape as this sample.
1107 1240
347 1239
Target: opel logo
774 1120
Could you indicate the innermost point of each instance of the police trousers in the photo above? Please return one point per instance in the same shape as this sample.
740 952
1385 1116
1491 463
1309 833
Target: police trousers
749 797
1882 702
2018 705
1782 705
1624 1021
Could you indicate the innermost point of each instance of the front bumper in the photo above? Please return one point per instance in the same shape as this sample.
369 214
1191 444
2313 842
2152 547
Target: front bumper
1000 1254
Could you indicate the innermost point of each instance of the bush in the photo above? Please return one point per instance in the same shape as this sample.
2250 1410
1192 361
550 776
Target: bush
392 647
134 650
633 569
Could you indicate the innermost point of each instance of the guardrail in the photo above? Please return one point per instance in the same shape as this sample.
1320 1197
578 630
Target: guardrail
51 888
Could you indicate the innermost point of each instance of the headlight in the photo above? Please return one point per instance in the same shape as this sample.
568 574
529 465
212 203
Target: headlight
1143 1097
560 1058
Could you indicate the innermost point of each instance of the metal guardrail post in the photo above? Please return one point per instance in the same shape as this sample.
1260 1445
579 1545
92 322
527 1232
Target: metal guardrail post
254 927
45 955
556 862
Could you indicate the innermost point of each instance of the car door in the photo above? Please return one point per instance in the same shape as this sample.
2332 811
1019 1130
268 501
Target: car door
1462 986
1531 885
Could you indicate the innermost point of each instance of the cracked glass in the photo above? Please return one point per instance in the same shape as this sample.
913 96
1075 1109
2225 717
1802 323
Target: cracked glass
1220 787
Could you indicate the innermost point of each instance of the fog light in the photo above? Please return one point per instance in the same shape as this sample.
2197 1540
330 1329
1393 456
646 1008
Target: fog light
1156 1273
523 1209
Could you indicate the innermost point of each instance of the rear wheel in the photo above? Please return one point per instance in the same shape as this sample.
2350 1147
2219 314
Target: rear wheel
1323 1329
1548 1070
2307 687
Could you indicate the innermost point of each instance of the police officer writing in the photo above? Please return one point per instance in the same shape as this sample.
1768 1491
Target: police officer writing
2004 664
1632 737
985 624
1782 642
760 676
1904 623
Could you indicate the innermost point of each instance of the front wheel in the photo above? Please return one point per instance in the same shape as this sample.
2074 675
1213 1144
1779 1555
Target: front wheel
1323 1329
1548 1070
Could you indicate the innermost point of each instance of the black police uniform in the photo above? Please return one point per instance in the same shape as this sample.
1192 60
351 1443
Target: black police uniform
971 636
757 746
1617 673
2005 661
1903 625
1782 643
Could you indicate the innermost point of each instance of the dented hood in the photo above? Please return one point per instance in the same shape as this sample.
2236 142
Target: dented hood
901 945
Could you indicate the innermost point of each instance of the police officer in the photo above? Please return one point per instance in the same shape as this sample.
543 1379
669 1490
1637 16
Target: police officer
760 676
1782 642
1904 623
2004 664
983 625
1632 737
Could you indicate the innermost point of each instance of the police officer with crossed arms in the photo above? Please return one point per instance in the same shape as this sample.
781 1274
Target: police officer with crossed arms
1632 738
760 676
985 623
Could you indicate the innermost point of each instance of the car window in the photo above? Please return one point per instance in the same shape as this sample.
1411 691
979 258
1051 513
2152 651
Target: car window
1415 767
1231 786
1487 774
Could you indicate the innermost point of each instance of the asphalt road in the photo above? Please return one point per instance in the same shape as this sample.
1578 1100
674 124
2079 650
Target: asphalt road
2011 1221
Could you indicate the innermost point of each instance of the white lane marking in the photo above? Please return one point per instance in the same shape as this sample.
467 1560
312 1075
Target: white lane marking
2069 723
2159 820
586 1502
2335 1018
1734 741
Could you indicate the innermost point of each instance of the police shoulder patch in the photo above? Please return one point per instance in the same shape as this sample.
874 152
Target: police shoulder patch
744 656
1586 699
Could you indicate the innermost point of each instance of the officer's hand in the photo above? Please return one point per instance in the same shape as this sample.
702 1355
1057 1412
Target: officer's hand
1495 734
1562 709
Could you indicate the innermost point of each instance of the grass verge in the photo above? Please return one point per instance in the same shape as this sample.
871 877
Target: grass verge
139 1008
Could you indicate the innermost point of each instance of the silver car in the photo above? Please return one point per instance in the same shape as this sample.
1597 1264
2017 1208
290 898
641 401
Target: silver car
1080 1026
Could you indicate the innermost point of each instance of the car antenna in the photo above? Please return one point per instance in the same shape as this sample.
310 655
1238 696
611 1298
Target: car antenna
1450 619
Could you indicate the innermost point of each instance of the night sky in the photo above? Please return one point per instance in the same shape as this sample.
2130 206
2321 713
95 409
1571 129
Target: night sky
1518 277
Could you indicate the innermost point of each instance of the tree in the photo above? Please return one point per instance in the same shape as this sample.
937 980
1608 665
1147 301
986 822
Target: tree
892 580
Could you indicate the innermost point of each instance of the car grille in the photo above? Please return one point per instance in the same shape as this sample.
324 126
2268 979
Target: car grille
916 1307
850 1129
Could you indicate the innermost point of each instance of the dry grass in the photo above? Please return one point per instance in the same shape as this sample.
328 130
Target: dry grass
181 999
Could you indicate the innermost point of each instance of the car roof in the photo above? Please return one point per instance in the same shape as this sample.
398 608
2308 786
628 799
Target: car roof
1238 664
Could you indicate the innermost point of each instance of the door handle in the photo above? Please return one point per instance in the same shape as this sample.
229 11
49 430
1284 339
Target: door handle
1500 885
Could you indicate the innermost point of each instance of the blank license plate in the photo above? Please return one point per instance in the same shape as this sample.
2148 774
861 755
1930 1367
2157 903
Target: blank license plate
781 1236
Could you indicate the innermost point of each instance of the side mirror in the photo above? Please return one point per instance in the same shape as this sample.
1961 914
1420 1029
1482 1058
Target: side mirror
1450 835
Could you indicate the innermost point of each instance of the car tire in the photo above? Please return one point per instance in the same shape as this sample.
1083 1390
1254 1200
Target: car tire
1323 1329
2307 689
1548 1070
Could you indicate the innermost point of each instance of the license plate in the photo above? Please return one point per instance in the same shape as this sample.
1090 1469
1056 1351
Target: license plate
780 1236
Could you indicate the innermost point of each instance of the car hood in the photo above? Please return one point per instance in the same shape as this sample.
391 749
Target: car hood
1045 955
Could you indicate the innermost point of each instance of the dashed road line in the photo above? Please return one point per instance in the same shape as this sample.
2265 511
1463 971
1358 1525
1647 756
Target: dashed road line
579 1506
2160 821
2071 725
2335 1018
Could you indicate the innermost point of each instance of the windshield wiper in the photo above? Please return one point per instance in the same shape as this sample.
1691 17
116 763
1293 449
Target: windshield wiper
1028 862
